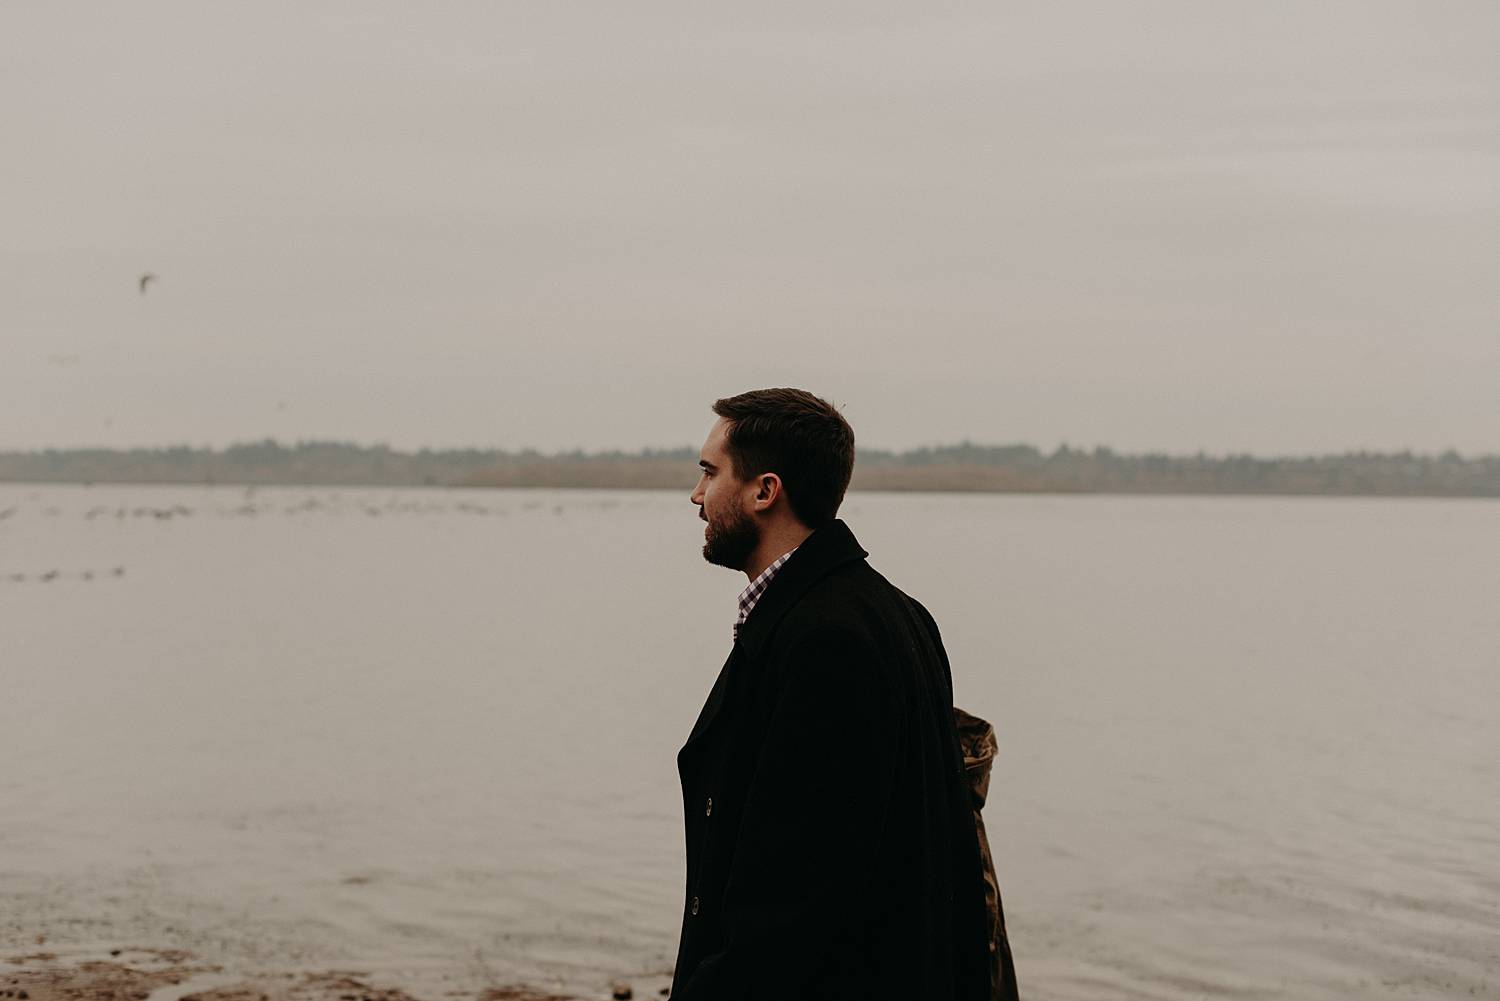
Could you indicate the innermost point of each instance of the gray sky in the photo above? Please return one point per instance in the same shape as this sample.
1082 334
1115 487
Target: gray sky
1231 225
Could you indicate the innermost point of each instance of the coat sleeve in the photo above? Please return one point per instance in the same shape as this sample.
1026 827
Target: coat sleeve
812 822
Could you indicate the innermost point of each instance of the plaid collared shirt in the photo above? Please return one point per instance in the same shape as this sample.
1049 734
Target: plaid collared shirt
750 596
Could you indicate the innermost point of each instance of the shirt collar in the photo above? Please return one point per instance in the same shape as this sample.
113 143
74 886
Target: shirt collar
750 596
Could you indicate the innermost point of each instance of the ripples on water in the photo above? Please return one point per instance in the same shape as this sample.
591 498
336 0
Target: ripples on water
1247 746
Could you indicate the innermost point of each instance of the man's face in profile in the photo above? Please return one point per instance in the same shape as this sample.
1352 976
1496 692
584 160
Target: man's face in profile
722 498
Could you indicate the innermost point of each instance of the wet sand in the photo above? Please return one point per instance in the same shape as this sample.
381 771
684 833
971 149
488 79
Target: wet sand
135 973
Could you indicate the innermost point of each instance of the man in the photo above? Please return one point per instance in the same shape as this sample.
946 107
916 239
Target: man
831 845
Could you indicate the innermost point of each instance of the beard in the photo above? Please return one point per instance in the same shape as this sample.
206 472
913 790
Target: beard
730 541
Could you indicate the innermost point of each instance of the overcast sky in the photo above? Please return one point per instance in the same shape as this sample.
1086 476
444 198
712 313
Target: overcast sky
1232 225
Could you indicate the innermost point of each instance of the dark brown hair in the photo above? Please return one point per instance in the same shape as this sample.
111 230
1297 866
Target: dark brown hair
797 436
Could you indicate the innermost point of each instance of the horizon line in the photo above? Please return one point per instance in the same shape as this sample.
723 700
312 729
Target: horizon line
658 451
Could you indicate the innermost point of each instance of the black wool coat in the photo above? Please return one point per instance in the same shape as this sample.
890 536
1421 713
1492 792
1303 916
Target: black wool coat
831 850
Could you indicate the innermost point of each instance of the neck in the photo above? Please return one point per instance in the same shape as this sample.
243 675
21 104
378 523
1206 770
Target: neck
775 541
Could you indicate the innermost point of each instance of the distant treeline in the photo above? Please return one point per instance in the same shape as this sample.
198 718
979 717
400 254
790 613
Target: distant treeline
966 467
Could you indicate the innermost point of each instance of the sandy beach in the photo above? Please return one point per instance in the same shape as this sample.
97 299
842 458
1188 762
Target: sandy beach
137 973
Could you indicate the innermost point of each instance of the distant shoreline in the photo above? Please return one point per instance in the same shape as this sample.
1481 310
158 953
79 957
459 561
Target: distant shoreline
962 468
1016 468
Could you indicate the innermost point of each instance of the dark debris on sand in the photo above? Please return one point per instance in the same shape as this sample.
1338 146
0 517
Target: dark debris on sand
134 974
39 977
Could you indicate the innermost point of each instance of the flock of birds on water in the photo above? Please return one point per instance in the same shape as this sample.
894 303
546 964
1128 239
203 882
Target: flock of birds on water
52 575
251 507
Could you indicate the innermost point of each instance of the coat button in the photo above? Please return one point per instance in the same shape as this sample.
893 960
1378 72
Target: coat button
709 810
695 905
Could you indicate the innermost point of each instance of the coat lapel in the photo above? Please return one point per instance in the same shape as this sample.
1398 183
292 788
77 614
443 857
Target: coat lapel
830 546
827 548
715 699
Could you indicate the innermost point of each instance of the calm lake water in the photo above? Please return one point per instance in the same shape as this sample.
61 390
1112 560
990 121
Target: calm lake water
1249 747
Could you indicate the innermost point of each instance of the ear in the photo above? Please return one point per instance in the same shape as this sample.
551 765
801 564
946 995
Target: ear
767 491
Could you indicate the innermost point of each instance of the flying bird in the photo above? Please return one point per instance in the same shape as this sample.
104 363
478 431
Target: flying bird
146 279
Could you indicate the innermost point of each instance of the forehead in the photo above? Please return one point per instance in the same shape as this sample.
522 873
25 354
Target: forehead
713 445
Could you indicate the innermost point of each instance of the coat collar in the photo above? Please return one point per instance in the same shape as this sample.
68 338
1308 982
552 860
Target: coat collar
828 547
